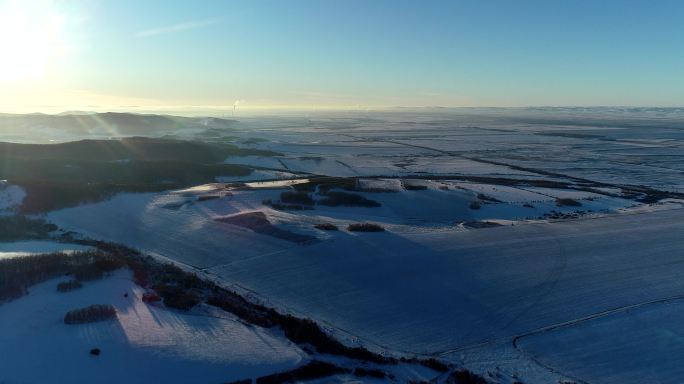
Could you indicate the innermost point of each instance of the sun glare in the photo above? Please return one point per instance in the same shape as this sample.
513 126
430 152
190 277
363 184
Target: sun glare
30 38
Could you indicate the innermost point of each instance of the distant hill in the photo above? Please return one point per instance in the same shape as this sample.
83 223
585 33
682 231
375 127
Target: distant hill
66 174
134 148
42 127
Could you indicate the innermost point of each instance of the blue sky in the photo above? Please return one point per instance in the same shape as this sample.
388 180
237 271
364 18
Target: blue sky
368 53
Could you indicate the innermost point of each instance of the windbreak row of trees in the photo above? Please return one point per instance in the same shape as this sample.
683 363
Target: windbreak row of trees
19 273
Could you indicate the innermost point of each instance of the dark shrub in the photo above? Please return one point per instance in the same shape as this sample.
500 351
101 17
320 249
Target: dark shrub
177 297
183 301
465 377
475 205
365 227
326 227
106 263
435 364
306 331
245 381
91 314
70 285
335 199
18 273
314 370
487 198
317 159
237 305
296 197
480 224
187 280
140 274
566 202
96 269
325 184
208 197
290 207
88 272
366 372
415 187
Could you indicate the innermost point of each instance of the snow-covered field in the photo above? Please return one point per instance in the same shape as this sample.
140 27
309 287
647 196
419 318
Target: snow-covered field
432 292
642 345
542 297
409 289
144 344
624 147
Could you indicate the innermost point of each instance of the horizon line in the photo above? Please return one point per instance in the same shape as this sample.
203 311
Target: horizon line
228 109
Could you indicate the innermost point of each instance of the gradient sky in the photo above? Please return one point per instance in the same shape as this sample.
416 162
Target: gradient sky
77 54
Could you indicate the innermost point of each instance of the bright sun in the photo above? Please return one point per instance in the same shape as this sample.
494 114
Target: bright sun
30 38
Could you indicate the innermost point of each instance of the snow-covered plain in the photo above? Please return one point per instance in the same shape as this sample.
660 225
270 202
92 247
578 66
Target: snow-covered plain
638 147
643 345
428 285
409 289
433 292
144 344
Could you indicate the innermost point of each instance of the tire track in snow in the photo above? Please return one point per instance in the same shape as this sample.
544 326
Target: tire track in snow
555 274
571 323
347 166
515 339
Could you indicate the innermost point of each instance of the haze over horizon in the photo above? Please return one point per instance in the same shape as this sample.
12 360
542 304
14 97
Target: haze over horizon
270 55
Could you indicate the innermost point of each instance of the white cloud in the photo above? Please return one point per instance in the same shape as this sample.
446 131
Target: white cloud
179 27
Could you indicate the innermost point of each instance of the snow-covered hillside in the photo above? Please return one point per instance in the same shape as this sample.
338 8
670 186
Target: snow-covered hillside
439 291
144 344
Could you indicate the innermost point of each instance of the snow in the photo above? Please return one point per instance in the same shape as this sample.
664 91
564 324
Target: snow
144 344
503 193
382 185
408 289
257 175
428 285
440 292
641 346
27 248
275 184
170 224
